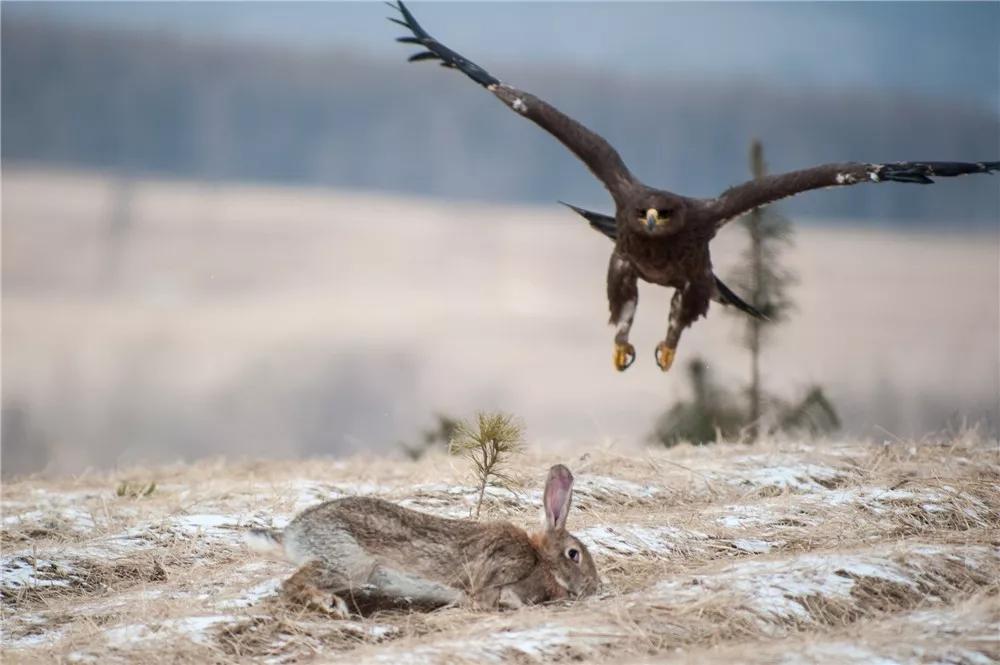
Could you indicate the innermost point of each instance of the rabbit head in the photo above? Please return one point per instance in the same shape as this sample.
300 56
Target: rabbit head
569 562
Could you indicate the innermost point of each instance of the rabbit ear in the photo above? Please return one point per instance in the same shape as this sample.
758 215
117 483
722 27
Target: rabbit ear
557 497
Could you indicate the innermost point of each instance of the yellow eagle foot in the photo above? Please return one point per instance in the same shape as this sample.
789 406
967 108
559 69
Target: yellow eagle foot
665 356
624 356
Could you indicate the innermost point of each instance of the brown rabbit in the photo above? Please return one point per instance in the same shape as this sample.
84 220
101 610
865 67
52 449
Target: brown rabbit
375 554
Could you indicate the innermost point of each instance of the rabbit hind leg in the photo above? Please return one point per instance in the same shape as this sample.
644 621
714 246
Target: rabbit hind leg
400 587
316 587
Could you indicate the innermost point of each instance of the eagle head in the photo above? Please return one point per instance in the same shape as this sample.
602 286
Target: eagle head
659 213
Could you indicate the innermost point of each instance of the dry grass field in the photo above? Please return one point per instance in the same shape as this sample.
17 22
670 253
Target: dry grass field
784 552
173 320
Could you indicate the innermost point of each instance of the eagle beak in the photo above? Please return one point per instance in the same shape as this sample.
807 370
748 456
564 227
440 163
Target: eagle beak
652 218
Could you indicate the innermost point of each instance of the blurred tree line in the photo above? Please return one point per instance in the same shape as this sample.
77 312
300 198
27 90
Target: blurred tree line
152 104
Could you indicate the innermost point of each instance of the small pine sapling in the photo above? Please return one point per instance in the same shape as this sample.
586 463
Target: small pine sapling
488 443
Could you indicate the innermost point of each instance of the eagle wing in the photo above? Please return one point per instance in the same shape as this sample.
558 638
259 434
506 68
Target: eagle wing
740 199
602 159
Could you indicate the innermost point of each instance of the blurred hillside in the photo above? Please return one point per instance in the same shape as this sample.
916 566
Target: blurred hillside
170 106
157 320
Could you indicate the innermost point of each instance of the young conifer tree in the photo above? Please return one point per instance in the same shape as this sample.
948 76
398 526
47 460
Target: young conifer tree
762 277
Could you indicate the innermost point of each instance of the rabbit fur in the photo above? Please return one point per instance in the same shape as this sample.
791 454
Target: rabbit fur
364 554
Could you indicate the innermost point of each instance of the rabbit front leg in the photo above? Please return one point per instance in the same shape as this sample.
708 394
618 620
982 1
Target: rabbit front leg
486 598
509 600
503 598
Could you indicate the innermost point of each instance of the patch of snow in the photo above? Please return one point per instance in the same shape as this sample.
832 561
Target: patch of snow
227 528
973 657
33 516
504 646
252 596
75 518
606 488
754 546
776 590
800 478
63 497
879 500
130 540
193 628
33 641
946 622
194 524
130 599
372 631
255 566
633 539
308 493
835 652
467 492
457 501
966 557
26 572
279 522
35 631
742 516
809 508
873 497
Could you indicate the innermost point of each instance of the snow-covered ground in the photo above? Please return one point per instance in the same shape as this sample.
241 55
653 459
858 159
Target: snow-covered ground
779 553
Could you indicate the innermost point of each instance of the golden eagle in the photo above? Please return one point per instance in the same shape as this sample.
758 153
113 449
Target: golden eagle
662 237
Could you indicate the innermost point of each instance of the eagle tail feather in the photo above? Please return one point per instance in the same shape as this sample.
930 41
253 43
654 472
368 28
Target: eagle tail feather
728 297
602 223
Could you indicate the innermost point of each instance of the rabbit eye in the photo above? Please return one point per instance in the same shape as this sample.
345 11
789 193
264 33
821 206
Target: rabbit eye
573 555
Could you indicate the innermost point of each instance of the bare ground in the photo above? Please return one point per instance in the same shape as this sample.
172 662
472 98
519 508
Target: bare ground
783 552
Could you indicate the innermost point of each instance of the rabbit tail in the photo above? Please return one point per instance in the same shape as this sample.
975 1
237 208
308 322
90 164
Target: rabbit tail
266 541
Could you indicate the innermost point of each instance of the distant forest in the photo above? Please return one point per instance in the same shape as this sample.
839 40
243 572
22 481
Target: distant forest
158 105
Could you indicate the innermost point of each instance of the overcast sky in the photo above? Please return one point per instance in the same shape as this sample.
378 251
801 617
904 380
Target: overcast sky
943 49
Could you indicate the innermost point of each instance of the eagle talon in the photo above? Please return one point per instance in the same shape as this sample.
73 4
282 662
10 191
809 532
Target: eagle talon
624 356
664 356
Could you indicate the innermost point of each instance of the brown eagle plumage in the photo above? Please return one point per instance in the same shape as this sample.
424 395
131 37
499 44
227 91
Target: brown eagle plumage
662 237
